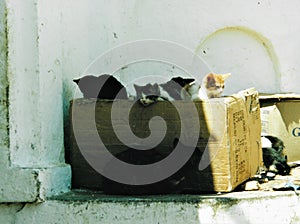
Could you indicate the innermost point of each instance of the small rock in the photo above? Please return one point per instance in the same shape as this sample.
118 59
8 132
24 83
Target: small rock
271 175
252 186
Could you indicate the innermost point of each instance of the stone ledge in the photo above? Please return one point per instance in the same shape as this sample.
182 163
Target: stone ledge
94 207
33 184
18 185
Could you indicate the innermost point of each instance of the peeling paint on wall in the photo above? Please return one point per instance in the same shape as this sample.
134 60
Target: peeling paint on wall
4 127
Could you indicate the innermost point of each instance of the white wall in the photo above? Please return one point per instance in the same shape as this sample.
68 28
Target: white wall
256 41
50 43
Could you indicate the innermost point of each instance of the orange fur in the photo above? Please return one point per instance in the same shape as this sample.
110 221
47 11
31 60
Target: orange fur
213 84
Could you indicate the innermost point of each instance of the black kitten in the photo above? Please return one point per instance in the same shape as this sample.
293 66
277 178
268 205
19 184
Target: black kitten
276 143
273 157
102 87
148 94
170 90
175 85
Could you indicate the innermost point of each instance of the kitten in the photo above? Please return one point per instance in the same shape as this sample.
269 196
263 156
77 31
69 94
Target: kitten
273 157
212 86
170 90
175 85
102 87
148 94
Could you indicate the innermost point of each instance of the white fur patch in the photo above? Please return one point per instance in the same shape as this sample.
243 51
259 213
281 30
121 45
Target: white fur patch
265 143
190 92
202 94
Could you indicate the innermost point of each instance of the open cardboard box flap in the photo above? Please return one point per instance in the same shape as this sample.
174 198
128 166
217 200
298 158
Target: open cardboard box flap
280 115
263 97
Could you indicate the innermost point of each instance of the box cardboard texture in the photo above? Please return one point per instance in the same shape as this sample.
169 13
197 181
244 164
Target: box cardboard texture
229 138
280 115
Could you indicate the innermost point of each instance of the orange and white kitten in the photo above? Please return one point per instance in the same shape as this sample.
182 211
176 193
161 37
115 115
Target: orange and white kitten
212 86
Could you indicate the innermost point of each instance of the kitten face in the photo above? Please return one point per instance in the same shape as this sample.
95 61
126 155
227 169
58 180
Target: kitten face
148 94
213 84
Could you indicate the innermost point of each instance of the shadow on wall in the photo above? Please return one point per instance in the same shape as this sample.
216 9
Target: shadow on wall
246 54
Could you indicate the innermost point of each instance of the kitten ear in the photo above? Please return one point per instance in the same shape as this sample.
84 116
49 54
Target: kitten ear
163 84
136 86
189 80
76 81
210 77
138 90
155 85
225 76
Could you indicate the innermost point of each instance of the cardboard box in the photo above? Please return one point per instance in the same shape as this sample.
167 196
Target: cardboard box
280 115
229 138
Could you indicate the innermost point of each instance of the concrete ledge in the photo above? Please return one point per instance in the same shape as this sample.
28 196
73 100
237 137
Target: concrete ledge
33 184
18 185
93 207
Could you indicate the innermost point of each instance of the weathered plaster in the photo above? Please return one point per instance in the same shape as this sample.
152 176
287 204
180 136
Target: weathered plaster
4 140
33 161
51 43
90 207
